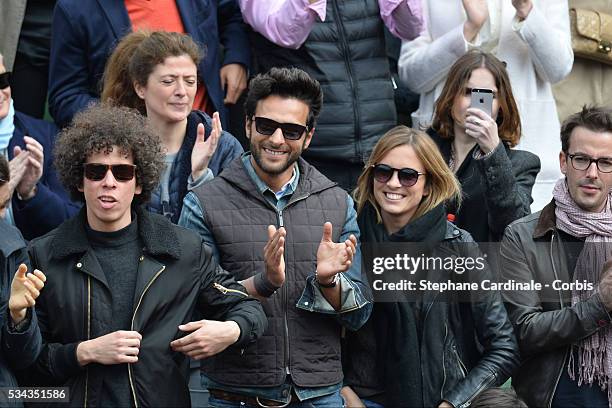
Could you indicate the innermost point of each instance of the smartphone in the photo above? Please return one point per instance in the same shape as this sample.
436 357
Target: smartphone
482 99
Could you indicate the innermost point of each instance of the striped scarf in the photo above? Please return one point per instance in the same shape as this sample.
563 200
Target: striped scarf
595 351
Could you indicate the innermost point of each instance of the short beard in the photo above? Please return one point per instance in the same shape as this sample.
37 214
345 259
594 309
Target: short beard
273 171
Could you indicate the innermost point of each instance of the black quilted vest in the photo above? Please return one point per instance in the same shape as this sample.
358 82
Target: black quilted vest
238 215
346 53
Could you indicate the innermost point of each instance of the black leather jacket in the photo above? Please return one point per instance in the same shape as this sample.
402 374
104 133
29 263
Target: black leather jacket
176 271
465 347
545 322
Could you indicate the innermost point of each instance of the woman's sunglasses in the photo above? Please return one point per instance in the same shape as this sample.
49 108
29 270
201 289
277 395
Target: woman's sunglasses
121 172
407 177
291 131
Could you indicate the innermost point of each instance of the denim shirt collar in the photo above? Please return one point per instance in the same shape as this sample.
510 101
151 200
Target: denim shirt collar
286 190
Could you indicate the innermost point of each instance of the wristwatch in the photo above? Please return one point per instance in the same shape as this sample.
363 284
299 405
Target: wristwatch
332 284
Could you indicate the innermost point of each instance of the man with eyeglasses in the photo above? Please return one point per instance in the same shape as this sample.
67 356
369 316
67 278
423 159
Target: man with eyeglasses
289 235
123 283
38 202
564 330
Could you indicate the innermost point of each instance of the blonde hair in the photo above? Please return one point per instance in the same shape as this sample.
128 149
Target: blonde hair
440 180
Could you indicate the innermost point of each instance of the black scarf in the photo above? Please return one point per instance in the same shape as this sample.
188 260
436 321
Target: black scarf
395 325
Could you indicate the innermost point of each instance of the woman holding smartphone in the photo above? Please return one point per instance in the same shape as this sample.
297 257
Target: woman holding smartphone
430 350
496 181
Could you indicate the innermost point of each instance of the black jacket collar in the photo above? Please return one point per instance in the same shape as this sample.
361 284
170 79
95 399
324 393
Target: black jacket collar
156 232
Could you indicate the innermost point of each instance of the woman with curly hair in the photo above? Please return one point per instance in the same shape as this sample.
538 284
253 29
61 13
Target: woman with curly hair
496 180
428 350
155 72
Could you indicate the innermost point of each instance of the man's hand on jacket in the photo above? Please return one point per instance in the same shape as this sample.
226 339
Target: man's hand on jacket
234 81
118 347
208 338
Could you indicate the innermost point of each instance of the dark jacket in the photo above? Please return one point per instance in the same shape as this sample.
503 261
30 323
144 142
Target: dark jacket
464 346
51 205
545 322
346 53
176 272
496 189
86 32
305 342
228 148
19 349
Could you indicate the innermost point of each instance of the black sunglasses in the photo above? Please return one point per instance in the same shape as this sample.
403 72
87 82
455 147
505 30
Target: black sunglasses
5 79
121 172
291 131
407 177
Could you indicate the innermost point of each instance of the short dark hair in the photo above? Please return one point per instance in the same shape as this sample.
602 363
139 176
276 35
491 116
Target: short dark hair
5 174
98 129
498 398
593 118
287 83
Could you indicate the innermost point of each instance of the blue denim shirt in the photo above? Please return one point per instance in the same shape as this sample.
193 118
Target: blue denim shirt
355 304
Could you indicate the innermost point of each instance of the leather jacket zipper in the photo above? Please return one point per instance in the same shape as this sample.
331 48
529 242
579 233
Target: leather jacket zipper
88 333
225 290
443 366
552 261
464 370
130 375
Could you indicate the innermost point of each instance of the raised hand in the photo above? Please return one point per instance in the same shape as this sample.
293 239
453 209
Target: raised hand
25 289
477 13
208 338
203 150
333 258
482 128
34 168
274 255
118 347
17 167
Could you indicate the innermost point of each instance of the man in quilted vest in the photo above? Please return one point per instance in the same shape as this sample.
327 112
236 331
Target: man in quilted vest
289 235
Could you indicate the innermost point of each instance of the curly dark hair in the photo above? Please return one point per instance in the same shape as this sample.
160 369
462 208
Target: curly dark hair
100 128
287 83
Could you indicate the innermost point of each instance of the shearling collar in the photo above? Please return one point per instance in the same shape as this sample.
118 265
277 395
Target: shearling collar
156 232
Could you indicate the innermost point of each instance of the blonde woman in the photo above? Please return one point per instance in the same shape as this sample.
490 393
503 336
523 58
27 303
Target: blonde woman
400 199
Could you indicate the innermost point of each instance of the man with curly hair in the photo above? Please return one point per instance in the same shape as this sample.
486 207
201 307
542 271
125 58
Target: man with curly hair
122 282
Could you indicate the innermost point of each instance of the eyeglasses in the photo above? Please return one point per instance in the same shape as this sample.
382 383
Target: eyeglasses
5 79
580 162
407 177
291 131
97 171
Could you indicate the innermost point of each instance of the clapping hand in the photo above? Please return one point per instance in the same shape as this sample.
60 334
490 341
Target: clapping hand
333 258
203 150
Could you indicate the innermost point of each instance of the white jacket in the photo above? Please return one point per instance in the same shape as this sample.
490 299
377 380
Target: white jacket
537 52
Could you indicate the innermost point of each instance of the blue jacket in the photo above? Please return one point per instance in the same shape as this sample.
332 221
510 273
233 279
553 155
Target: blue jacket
51 205
85 33
228 148
19 349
